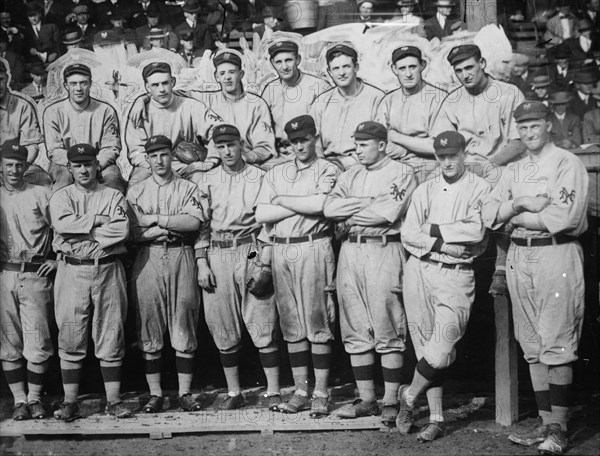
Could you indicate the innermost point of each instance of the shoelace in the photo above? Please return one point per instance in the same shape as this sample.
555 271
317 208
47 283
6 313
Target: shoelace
407 416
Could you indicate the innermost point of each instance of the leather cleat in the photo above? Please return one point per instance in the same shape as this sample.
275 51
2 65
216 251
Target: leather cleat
271 401
357 409
189 404
118 410
499 287
431 431
531 437
295 404
389 413
21 412
405 419
232 402
68 411
154 404
36 410
556 443
319 407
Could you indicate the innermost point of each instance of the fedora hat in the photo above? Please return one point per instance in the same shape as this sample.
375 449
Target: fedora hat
191 6
560 97
72 36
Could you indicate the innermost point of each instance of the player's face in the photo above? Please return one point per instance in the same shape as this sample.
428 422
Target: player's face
3 85
534 133
470 72
408 70
304 148
160 87
13 171
229 76
452 165
286 65
559 108
78 86
230 152
35 19
84 173
160 162
343 70
369 151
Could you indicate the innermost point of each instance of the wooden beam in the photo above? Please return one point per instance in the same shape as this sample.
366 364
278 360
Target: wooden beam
507 381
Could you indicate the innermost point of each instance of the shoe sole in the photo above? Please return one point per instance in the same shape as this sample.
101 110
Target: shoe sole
524 442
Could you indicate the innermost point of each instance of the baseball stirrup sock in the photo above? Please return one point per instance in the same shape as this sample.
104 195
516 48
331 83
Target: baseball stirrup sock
270 364
321 358
230 362
299 353
363 367
541 389
71 376
35 380
111 373
561 379
184 362
423 377
15 374
434 399
153 367
391 366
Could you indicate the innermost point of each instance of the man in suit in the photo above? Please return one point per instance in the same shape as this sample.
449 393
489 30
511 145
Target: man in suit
583 101
14 61
561 74
14 34
580 47
82 15
54 12
520 75
563 25
139 16
365 12
108 8
566 126
153 20
41 40
188 51
441 24
202 37
591 120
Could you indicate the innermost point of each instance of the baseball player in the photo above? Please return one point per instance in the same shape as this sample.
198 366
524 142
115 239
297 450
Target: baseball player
19 121
165 216
338 110
409 111
546 211
481 110
291 93
291 198
25 285
227 254
372 199
90 225
82 119
442 233
187 122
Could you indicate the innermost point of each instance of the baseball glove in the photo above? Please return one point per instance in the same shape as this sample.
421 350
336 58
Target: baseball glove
260 280
187 152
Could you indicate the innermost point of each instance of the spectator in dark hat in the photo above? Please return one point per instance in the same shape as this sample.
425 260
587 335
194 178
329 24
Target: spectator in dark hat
141 8
15 62
580 48
153 18
563 25
443 23
82 20
272 20
14 34
105 11
41 40
591 120
561 73
202 37
541 88
37 88
72 38
187 49
121 28
583 101
566 126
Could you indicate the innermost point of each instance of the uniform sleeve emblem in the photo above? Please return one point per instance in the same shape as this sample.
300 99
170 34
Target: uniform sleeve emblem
566 197
397 193
121 211
195 202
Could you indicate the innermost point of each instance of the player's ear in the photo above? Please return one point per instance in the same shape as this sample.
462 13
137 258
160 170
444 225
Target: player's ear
242 74
483 63
423 64
298 59
69 167
548 125
394 69
173 81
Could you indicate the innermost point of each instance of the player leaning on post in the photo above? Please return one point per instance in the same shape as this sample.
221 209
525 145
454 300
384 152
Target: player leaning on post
372 199
442 233
291 199
25 285
165 215
227 255
545 214
90 225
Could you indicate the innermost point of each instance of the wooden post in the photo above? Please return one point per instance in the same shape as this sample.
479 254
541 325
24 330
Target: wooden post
507 381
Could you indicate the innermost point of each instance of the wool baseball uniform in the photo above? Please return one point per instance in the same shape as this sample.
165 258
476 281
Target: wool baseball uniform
25 297
371 316
301 270
546 282
229 199
89 291
163 286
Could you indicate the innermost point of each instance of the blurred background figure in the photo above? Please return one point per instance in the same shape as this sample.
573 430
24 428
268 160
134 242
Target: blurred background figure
560 72
82 20
566 126
13 33
187 49
579 48
36 89
582 100
41 40
153 21
72 38
16 64
563 24
443 24
200 30
335 12
591 120
541 88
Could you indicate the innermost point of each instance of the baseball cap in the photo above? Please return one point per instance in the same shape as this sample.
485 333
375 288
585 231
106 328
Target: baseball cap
370 130
12 149
531 110
300 127
155 67
157 142
225 132
282 46
463 52
347 49
227 56
77 68
449 143
406 51
106 38
82 153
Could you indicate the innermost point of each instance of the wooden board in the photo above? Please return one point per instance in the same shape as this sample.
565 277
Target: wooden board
507 381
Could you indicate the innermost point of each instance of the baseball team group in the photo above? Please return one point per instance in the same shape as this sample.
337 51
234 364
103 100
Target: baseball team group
254 212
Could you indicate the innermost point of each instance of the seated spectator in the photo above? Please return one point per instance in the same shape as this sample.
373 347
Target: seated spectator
156 38
82 17
561 72
37 88
582 101
15 36
41 40
72 38
365 12
580 47
591 120
563 25
335 12
202 37
139 18
55 12
16 65
441 25
109 8
187 48
117 21
520 73
271 21
153 17
405 15
566 126
541 88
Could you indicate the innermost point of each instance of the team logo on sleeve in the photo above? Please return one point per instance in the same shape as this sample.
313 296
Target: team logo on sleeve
566 197
267 127
397 193
195 202
121 211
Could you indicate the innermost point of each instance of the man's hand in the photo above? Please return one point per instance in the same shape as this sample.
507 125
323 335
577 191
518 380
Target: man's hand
147 221
533 204
206 278
101 220
137 114
459 251
46 268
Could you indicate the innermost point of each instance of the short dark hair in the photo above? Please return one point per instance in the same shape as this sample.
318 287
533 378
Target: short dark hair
337 54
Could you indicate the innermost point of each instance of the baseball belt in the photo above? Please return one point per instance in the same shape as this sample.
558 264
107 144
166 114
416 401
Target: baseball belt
300 239
542 242
228 243
87 262
23 266
363 239
439 264
167 245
